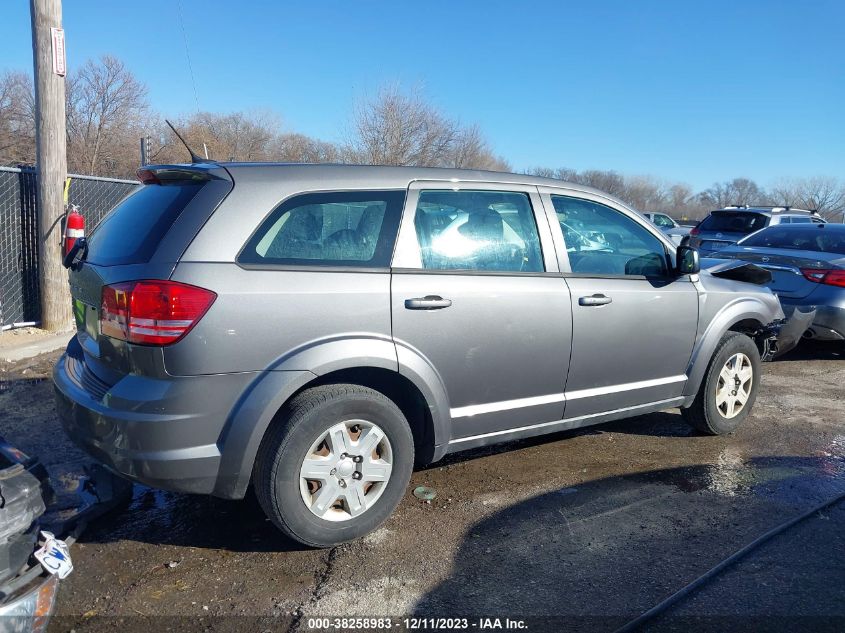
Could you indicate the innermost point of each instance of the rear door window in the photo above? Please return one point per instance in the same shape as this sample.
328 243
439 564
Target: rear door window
132 231
342 228
477 230
733 222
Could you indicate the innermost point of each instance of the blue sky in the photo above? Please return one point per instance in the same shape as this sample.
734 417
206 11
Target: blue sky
691 91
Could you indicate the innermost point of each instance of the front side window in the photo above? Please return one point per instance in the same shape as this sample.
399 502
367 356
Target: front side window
477 230
603 241
353 228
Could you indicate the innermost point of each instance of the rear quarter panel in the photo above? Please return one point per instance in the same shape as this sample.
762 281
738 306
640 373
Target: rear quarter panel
279 319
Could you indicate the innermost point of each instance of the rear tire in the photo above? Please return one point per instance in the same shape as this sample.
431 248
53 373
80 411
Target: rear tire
336 464
729 388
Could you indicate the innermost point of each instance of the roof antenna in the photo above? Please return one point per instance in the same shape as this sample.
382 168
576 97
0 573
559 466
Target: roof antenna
194 157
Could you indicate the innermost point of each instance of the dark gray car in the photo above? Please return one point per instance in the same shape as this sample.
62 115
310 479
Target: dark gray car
725 227
807 263
316 330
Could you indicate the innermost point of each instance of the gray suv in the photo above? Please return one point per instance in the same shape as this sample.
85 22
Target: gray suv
317 330
725 227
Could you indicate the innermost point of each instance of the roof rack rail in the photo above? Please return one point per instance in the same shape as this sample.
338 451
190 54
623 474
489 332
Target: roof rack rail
774 208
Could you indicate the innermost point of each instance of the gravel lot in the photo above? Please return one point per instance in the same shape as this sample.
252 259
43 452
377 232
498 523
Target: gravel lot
596 525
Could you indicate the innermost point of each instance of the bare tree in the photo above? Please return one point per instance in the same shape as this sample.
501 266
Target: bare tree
237 136
401 129
737 191
608 181
470 150
823 194
106 111
299 148
679 195
645 193
17 119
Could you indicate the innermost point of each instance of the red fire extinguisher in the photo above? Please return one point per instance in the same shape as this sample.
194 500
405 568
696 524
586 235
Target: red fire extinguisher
74 228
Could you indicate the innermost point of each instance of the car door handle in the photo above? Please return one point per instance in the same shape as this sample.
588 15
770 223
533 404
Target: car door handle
429 302
594 300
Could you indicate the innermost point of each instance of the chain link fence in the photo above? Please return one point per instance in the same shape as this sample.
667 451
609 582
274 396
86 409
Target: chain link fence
19 292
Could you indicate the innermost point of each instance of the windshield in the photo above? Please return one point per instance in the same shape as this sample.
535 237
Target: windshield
811 238
733 222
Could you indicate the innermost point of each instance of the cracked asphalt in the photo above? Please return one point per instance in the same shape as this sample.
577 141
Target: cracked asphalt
595 525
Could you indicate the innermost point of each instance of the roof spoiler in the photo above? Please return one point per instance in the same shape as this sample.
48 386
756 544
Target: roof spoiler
173 174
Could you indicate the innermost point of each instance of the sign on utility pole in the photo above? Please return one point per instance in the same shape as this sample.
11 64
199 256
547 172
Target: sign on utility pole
48 53
146 150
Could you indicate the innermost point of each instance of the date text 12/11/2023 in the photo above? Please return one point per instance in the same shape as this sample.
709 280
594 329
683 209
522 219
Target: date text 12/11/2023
414 624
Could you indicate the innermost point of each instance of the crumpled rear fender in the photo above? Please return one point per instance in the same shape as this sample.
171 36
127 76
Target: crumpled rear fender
791 331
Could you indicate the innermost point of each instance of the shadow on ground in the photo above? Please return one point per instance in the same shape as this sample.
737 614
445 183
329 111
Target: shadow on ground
815 350
595 555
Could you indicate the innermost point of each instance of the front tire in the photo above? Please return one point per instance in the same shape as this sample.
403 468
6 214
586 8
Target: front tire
336 464
729 388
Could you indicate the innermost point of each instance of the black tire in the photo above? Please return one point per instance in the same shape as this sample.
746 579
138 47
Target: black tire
284 447
704 415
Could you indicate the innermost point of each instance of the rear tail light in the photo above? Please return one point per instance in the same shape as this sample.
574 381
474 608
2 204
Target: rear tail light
825 276
152 312
694 231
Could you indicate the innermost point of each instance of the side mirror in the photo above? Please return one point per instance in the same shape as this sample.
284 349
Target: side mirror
687 259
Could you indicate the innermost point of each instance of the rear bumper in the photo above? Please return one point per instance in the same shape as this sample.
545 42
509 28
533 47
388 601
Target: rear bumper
162 432
827 325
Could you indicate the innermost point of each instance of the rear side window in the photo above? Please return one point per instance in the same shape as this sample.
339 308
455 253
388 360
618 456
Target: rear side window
733 222
352 228
132 231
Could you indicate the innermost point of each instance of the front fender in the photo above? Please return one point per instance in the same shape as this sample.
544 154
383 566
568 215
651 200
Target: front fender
738 309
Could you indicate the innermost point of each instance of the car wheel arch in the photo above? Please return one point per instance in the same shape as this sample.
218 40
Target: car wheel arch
744 315
420 397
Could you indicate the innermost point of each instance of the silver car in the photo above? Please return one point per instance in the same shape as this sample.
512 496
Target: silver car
317 330
807 263
665 223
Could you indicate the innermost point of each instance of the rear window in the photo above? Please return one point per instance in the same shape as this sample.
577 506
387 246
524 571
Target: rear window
733 222
131 233
341 228
811 238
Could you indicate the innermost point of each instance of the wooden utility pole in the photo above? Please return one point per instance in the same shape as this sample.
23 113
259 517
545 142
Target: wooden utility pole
51 146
